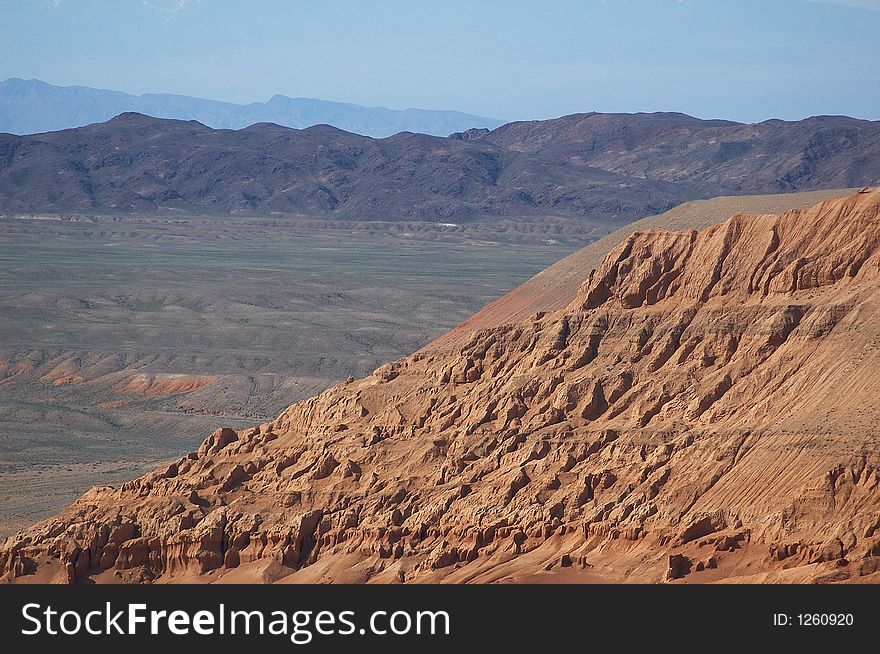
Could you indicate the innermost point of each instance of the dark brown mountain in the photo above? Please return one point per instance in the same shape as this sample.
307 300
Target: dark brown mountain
602 168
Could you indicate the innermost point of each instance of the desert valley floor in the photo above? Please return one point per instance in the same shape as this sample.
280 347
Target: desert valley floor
124 341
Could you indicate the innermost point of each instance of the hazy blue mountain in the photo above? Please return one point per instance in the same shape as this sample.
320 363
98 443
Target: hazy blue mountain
32 106
743 60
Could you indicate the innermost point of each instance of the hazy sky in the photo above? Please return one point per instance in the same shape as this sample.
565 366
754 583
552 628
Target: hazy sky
511 59
868 4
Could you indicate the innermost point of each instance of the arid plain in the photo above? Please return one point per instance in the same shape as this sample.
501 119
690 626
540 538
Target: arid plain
126 340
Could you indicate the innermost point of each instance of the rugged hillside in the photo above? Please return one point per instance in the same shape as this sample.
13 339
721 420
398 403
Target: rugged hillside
771 156
554 287
705 409
595 168
31 106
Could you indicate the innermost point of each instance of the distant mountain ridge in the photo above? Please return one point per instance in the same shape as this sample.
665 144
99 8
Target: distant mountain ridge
33 106
601 170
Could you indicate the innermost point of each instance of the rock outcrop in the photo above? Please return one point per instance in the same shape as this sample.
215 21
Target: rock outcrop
555 287
704 409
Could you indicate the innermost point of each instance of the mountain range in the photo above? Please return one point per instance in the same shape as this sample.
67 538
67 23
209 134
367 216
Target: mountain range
33 106
603 169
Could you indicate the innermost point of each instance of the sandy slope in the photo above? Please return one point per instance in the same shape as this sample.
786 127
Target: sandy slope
556 286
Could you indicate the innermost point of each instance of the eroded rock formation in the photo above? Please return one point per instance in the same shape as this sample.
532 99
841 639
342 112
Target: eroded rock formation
705 409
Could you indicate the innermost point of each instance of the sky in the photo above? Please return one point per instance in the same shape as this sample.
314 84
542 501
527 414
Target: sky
746 60
867 4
